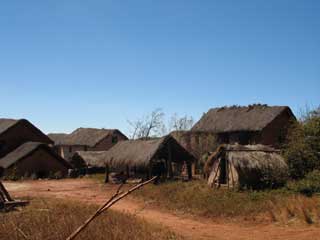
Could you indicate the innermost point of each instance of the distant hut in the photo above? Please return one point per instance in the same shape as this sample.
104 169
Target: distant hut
254 124
14 132
33 158
144 158
250 166
85 139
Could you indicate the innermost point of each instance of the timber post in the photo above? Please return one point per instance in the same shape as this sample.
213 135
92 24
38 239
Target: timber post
106 180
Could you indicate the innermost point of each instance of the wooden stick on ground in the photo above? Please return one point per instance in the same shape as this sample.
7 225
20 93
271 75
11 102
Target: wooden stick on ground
5 192
115 198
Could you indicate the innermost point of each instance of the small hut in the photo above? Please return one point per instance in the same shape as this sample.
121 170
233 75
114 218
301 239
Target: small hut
85 139
15 132
33 158
246 166
142 158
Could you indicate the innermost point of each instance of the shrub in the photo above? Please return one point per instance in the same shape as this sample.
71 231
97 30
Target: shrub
302 148
308 185
272 178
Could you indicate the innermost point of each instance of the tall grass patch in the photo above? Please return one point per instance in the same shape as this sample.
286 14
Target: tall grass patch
197 198
56 219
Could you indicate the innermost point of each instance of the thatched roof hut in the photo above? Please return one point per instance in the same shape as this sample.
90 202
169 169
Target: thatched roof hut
249 166
33 157
14 132
83 136
251 124
86 139
140 154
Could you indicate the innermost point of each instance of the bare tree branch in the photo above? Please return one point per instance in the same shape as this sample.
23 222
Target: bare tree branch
152 124
180 123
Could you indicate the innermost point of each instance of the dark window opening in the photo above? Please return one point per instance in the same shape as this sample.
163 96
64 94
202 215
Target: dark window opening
70 149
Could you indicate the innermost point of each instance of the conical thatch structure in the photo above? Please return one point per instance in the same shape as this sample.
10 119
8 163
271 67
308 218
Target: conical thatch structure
164 153
246 166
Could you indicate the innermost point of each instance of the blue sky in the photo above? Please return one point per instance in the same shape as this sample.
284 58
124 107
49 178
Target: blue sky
97 63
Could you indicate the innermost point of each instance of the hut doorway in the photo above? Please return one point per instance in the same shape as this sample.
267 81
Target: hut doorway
223 171
42 174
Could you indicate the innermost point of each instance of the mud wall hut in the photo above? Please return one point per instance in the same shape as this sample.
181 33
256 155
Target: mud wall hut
199 144
254 124
250 166
85 139
33 158
144 158
14 132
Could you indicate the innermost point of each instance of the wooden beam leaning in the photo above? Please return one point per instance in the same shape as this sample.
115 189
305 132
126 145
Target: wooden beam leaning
216 173
5 192
230 167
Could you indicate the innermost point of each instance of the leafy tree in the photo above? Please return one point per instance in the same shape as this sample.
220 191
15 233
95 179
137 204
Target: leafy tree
303 145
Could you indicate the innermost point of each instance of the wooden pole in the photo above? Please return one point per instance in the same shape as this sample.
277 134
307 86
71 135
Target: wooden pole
2 198
216 173
127 171
115 198
231 174
169 165
5 192
227 172
106 180
189 170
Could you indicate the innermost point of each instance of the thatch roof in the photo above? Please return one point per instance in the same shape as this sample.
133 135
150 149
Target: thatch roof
137 153
26 149
233 119
6 124
246 157
58 138
83 136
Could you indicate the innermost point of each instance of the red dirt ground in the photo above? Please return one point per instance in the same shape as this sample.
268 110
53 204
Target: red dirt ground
87 190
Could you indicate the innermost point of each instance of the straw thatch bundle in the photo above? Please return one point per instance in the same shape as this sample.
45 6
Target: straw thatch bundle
250 166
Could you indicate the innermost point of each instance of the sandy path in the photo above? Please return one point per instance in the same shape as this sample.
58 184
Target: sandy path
193 228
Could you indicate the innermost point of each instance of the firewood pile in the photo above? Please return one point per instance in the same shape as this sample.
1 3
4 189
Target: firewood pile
6 201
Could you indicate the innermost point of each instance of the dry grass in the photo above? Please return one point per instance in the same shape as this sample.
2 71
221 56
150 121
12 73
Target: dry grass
296 209
198 199
56 219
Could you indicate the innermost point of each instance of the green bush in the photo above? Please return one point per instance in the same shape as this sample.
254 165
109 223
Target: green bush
308 185
303 146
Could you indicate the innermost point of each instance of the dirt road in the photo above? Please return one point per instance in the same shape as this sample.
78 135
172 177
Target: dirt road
87 190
